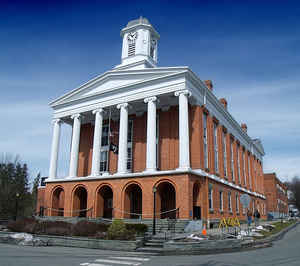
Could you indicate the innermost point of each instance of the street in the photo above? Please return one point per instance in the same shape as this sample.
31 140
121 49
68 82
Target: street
283 252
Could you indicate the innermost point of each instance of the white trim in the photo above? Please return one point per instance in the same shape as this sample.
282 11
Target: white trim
198 172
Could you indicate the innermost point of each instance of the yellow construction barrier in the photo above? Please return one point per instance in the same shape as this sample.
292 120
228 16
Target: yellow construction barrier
229 222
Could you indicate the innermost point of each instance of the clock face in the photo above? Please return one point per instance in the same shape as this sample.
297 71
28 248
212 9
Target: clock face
132 36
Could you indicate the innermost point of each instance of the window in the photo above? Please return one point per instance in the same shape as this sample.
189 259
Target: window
103 160
231 159
229 202
216 147
237 203
244 168
221 200
205 140
131 48
210 198
249 172
238 163
254 184
104 149
224 154
129 145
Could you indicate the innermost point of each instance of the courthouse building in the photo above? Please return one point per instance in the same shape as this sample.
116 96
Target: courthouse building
139 129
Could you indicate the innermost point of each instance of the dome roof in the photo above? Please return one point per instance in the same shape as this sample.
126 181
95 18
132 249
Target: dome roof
138 21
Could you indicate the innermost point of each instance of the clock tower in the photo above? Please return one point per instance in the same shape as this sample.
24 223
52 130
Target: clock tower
139 49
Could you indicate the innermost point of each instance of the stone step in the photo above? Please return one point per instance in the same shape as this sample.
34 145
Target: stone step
150 250
156 240
154 244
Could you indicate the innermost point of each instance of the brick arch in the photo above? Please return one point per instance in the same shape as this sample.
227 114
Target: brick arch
166 198
57 201
132 195
79 200
197 208
104 201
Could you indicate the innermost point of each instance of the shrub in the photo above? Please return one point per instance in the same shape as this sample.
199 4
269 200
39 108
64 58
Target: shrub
58 228
140 229
86 228
117 230
26 225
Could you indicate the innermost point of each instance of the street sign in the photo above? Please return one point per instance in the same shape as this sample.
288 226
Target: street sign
245 200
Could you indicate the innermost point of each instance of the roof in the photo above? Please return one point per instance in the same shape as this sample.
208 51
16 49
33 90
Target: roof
138 21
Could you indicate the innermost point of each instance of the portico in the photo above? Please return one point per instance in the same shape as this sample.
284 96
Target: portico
123 110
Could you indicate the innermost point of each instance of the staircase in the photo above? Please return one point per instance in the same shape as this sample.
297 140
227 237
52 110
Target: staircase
162 225
154 244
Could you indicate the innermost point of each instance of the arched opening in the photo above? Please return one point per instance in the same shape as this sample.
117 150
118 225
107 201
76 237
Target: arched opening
58 202
105 202
196 202
166 200
80 202
133 202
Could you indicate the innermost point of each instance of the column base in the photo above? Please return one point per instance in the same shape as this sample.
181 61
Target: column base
105 174
121 173
94 175
186 168
71 177
150 170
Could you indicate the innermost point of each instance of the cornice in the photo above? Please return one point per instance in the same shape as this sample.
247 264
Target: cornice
198 172
103 78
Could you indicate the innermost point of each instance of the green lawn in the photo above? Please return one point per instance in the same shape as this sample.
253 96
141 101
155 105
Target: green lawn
278 227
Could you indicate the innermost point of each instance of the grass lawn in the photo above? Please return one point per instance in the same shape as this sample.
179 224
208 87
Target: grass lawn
278 227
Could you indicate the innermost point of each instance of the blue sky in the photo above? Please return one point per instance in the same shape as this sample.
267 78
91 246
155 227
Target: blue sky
250 49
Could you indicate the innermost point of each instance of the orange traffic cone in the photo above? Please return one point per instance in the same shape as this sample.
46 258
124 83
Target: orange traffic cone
204 232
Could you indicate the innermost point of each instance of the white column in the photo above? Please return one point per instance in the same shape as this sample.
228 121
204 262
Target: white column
54 149
184 141
75 145
122 159
151 134
97 142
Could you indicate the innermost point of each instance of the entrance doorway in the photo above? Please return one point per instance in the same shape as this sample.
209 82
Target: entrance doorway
196 202
58 202
133 202
80 202
167 196
105 202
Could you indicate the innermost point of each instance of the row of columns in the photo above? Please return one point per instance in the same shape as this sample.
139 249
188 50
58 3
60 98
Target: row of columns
151 160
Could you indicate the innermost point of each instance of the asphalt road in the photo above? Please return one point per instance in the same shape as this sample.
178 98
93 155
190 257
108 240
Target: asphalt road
283 252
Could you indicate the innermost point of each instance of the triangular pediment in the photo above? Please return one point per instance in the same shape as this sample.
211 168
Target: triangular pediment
113 81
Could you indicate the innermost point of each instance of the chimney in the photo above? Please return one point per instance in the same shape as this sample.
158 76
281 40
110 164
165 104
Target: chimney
244 127
224 102
209 84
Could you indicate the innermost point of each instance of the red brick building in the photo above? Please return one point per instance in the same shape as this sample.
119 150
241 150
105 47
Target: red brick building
276 196
139 127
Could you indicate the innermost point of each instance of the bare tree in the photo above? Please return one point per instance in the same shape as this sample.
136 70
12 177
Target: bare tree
294 187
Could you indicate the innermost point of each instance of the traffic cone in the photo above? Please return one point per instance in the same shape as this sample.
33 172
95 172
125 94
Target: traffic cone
204 232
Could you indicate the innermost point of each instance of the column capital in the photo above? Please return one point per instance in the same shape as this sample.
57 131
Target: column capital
99 110
77 116
122 105
56 121
184 92
150 99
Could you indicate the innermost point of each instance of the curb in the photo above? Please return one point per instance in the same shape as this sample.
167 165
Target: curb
260 243
278 235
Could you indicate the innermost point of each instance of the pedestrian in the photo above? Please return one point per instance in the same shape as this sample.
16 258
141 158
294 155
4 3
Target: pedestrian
256 216
249 217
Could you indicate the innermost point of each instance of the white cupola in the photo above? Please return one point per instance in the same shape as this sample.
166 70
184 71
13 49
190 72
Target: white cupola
139 49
